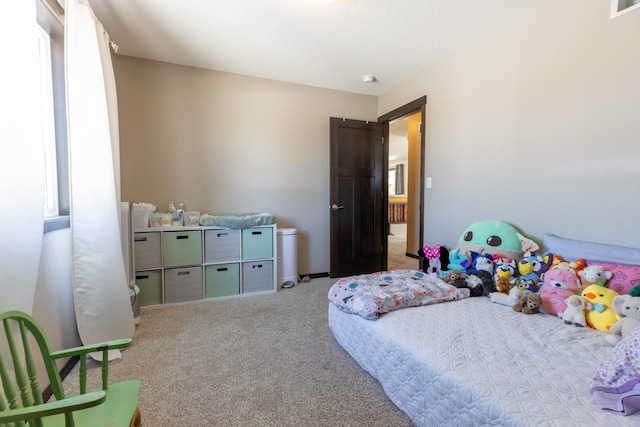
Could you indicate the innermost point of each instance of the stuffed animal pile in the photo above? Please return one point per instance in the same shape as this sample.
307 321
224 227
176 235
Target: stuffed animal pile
492 259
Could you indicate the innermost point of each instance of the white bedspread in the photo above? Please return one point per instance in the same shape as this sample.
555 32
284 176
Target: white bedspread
475 363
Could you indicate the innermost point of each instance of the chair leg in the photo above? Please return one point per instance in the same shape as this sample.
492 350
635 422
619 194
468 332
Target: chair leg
136 419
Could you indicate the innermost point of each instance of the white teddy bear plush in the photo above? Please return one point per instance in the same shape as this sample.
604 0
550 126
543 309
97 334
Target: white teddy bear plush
628 308
574 313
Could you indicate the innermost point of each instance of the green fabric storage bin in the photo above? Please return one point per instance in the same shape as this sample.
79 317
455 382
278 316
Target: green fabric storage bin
150 284
257 243
222 280
182 248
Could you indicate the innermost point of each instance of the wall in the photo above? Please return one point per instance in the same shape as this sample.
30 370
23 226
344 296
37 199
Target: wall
219 142
536 123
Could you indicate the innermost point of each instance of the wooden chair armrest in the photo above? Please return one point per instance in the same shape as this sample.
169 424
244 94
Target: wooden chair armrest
82 351
73 403
92 348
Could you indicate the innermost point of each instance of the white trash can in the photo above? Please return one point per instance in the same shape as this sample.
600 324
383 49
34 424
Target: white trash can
287 255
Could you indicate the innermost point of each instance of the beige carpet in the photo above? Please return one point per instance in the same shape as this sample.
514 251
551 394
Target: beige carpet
397 249
254 361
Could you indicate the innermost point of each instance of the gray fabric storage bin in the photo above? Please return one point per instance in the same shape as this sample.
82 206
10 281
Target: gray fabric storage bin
221 245
257 276
147 250
182 284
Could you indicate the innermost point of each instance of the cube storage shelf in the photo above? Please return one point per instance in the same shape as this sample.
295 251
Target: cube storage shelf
180 264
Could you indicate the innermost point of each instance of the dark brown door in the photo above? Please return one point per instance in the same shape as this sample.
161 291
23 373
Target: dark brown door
356 189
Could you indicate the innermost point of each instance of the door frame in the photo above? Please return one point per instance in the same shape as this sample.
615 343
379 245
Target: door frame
419 105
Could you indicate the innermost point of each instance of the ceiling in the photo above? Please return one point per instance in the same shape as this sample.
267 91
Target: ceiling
323 43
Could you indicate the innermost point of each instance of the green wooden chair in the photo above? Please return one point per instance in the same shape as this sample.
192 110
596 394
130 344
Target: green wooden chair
21 401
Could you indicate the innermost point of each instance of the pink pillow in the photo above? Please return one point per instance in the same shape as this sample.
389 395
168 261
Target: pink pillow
624 277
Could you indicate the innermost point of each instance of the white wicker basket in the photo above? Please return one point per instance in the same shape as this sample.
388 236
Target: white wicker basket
140 215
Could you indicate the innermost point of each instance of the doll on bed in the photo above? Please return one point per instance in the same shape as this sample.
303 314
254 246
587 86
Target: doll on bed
432 260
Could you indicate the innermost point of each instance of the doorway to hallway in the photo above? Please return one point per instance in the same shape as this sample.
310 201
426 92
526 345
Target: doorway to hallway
397 248
405 198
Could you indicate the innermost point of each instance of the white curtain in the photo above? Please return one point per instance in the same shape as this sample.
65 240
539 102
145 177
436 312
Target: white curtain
21 157
100 287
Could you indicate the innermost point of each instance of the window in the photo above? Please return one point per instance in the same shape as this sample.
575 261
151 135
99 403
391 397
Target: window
392 182
50 30
49 135
620 7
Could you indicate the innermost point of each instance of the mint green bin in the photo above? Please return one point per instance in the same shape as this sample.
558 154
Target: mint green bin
150 284
257 243
182 248
222 280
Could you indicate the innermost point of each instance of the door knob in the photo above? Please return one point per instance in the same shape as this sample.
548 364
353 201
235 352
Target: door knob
336 207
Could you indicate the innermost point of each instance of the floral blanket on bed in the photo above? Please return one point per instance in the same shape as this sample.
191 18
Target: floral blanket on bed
370 295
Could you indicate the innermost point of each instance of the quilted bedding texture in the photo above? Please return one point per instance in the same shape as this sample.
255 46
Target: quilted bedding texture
475 363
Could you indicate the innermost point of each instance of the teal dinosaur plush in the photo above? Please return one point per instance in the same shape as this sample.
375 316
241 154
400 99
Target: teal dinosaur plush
495 238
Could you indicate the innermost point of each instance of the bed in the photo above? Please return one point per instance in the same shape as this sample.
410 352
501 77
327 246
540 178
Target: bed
471 362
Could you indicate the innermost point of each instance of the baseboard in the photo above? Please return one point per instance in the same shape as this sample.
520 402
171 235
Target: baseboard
48 392
315 275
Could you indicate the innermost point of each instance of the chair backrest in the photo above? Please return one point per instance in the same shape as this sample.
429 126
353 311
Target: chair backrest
18 372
